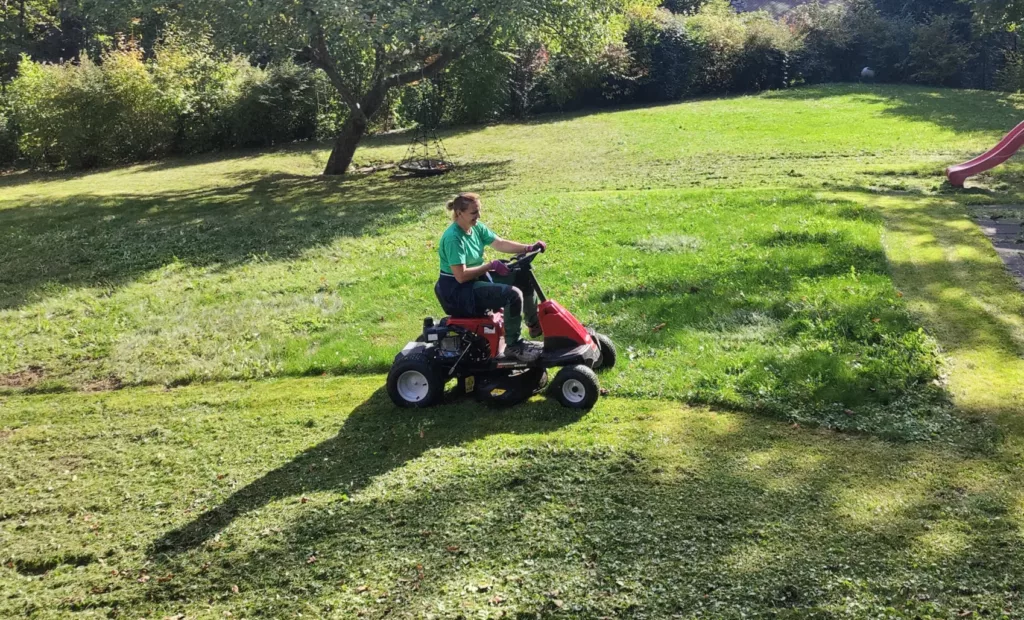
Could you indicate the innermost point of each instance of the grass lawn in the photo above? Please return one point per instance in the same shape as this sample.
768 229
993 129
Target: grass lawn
791 260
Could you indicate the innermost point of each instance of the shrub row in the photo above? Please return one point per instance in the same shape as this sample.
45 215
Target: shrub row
707 48
185 98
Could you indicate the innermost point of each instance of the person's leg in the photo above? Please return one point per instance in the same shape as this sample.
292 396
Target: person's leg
521 281
494 296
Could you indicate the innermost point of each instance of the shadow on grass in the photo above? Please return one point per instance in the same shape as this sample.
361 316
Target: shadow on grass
967 287
754 519
961 111
368 445
108 241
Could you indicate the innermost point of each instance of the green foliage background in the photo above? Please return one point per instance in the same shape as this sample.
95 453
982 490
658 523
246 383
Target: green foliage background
151 81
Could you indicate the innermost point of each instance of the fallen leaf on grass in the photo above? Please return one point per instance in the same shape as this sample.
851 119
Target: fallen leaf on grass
496 600
303 500
143 579
234 589
165 578
658 328
362 589
311 559
452 549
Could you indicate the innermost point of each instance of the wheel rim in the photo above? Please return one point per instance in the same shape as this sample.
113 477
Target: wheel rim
574 391
413 386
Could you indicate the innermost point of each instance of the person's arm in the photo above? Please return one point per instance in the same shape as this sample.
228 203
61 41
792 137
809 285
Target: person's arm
514 247
466 274
509 247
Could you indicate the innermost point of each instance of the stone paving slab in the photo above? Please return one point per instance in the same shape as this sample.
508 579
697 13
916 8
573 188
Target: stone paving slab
1004 227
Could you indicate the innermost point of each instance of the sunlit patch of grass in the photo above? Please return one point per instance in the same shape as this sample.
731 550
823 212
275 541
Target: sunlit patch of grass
943 540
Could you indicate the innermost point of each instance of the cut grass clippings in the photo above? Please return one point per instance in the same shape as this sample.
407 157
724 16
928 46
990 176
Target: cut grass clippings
316 497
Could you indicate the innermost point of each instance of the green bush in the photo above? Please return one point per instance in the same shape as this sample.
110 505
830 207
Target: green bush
735 52
663 55
275 105
572 81
83 115
139 119
828 50
720 35
1011 76
765 58
421 103
938 54
486 86
885 41
201 87
8 136
683 7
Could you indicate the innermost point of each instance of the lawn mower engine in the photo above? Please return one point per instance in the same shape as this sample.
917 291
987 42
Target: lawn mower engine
463 345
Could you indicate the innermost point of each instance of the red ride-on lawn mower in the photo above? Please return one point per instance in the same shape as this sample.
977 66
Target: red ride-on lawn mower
470 350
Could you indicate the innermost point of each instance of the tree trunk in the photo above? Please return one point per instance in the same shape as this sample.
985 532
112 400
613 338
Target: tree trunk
353 130
345 146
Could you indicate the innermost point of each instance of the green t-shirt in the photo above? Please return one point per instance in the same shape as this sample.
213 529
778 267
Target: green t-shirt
458 247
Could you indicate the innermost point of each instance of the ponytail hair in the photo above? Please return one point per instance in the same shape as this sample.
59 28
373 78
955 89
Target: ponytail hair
462 202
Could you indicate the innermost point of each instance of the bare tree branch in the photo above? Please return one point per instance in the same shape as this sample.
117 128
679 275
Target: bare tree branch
322 59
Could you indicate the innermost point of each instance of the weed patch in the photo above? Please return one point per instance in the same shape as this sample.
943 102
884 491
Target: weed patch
670 243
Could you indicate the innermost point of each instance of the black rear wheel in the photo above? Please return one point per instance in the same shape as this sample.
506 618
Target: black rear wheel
414 381
607 357
576 387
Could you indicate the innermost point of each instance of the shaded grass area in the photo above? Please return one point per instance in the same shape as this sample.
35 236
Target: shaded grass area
314 496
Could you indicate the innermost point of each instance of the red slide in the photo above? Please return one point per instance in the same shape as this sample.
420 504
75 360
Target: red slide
992 158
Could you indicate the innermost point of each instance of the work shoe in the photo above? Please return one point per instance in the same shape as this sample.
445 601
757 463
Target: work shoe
524 351
535 331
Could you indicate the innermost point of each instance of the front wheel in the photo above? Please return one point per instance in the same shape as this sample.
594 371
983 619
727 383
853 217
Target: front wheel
414 382
576 387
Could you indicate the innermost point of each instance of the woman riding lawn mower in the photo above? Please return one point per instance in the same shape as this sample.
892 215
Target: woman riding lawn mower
485 314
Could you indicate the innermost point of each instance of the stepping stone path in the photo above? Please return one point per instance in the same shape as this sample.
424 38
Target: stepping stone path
1004 227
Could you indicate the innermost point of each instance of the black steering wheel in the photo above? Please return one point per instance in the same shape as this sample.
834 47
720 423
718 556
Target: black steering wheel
521 261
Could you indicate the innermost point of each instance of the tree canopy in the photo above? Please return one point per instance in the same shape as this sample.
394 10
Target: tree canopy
998 14
367 47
